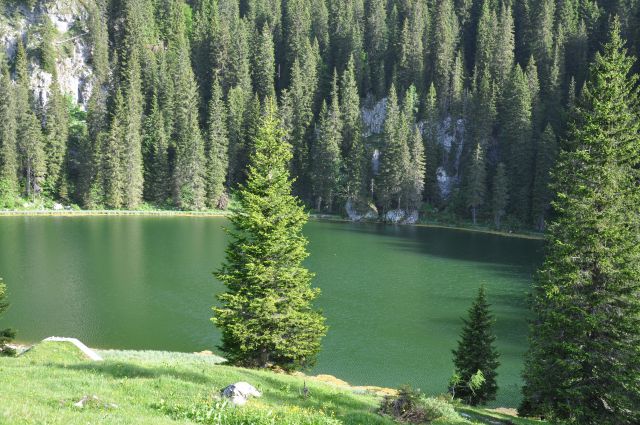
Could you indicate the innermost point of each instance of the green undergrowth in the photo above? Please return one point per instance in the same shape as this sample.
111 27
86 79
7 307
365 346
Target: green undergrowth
146 387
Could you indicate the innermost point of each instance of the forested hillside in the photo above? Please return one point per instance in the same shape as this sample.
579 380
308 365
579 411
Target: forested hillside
389 105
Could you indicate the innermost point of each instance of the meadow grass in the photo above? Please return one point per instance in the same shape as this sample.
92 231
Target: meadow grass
42 385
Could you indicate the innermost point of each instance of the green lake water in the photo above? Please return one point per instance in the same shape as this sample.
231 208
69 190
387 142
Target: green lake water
393 295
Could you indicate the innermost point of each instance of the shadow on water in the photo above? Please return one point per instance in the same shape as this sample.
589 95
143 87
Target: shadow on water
456 244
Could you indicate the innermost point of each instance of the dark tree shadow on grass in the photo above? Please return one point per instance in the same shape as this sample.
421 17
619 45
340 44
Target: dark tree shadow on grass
128 370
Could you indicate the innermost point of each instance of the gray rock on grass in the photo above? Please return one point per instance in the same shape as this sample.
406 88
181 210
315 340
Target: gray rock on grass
240 392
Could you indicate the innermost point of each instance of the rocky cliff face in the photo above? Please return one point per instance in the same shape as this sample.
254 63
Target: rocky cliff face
450 136
70 42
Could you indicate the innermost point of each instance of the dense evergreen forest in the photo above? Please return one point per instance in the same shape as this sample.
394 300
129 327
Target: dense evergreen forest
458 106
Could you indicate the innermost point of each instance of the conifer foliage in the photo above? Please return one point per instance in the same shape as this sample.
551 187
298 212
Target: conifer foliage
584 360
266 316
476 352
501 75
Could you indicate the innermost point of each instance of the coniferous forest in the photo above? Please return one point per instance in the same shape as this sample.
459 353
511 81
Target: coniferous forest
416 105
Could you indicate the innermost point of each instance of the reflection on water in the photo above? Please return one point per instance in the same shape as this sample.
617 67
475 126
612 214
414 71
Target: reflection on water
393 295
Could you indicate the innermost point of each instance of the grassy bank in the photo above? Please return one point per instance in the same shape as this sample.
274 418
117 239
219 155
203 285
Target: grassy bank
42 385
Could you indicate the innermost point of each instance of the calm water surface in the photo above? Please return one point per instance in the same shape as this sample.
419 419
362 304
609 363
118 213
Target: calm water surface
393 295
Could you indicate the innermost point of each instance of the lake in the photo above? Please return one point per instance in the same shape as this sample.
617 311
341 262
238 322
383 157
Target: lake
393 295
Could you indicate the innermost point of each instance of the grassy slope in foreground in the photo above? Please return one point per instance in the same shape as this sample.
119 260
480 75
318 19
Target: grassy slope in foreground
42 385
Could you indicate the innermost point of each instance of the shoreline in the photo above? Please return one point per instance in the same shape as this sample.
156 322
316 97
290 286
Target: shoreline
319 217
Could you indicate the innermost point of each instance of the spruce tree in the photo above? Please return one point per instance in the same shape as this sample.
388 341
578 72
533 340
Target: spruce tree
411 64
326 152
156 156
543 22
29 134
395 157
500 195
111 180
8 128
375 43
503 54
266 316
189 169
476 189
217 145
297 30
515 135
431 123
189 162
445 37
353 171
56 133
131 161
6 335
237 101
416 172
583 362
346 25
302 95
476 352
485 38
264 67
542 194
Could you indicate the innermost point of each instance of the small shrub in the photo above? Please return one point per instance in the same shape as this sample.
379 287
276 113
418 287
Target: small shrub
436 408
411 406
405 406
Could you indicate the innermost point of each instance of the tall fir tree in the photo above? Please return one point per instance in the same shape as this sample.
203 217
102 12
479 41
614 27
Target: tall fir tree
326 152
415 179
584 357
432 156
131 161
56 131
476 352
476 188
444 48
189 168
546 153
395 158
29 134
503 53
411 64
189 160
111 179
237 101
376 42
217 146
353 153
515 135
156 156
263 65
302 96
485 38
266 315
499 195
8 143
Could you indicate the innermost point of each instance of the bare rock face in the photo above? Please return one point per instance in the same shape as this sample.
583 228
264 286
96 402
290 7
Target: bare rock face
398 216
357 212
240 392
373 115
71 43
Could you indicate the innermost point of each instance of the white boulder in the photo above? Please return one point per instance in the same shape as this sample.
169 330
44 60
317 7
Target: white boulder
240 392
